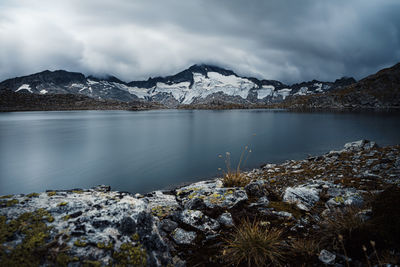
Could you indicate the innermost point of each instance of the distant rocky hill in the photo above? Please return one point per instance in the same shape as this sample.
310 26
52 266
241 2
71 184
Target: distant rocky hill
197 85
378 91
22 101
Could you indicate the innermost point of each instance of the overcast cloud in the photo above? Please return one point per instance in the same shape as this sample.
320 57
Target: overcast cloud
290 41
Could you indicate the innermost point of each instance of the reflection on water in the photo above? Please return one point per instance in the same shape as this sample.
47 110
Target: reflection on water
142 151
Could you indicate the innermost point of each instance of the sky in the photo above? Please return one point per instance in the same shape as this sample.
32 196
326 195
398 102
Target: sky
286 40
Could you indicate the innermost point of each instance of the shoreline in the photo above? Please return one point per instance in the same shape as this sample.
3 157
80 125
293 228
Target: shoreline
180 226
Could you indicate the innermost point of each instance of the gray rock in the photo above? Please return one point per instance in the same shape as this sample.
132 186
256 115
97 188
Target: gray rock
182 237
226 219
102 188
360 145
262 201
212 193
127 226
256 188
327 257
168 225
198 220
303 196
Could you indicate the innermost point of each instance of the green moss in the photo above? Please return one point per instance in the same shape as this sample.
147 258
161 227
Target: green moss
12 202
77 191
34 232
31 195
52 193
88 263
66 217
6 196
135 237
130 255
161 211
109 246
63 259
80 243
61 204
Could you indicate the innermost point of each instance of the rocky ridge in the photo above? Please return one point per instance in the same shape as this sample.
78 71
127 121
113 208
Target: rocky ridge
378 91
189 225
198 85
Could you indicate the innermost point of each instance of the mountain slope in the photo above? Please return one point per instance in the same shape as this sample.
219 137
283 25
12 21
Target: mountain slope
380 90
199 84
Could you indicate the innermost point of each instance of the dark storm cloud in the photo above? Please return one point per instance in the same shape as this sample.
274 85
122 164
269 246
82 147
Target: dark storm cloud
277 39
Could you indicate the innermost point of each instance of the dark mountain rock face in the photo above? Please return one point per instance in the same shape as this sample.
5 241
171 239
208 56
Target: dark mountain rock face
380 90
206 84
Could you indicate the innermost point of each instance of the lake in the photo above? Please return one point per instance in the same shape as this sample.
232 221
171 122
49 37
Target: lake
147 150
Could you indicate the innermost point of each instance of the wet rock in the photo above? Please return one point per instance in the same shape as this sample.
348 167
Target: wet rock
168 225
226 219
198 220
303 196
182 237
127 226
256 188
327 257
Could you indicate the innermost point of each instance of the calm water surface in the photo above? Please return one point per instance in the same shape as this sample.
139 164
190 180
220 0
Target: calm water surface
143 151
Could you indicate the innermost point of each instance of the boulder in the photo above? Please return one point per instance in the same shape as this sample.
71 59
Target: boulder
226 219
198 220
303 196
256 188
327 257
182 237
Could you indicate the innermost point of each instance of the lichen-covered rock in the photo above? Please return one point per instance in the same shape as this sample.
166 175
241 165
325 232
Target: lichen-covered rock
343 197
212 194
198 220
160 204
303 196
91 223
182 237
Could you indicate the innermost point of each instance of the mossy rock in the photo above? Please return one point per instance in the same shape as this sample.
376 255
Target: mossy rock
32 227
130 255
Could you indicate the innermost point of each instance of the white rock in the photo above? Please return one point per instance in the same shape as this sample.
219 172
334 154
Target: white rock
183 237
304 197
327 257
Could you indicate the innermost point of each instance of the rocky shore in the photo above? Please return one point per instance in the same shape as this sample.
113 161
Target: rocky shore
338 209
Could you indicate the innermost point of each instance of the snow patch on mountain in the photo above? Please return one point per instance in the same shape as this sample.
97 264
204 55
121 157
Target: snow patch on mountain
24 87
43 92
283 93
264 91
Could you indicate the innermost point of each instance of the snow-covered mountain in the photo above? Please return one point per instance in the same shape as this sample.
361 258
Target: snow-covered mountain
198 84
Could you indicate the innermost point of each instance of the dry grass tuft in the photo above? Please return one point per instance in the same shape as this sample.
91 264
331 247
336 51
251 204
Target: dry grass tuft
235 177
305 248
254 245
343 222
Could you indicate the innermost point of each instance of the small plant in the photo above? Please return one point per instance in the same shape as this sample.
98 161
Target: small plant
305 248
340 225
235 177
254 245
